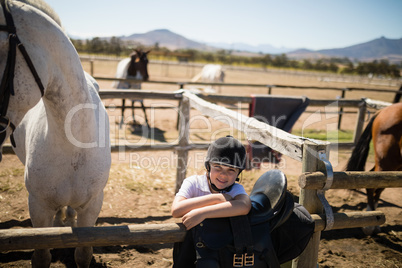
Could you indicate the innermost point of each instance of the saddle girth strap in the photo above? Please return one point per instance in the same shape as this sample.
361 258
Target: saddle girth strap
244 245
242 241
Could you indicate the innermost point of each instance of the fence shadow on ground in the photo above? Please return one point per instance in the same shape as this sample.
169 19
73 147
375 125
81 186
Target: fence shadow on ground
384 237
152 133
117 220
66 255
14 223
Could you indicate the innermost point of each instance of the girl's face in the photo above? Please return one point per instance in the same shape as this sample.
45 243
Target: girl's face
223 176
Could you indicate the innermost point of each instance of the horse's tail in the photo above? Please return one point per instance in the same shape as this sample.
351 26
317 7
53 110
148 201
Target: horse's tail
357 160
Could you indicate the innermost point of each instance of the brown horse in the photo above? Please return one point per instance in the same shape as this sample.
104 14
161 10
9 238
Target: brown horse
385 129
134 67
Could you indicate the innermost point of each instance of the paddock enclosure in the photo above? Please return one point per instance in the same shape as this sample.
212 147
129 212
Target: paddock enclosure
142 182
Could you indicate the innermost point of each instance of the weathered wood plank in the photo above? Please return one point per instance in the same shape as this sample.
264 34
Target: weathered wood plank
359 122
155 94
138 94
352 180
184 134
66 237
310 200
350 220
141 234
7 148
277 139
377 104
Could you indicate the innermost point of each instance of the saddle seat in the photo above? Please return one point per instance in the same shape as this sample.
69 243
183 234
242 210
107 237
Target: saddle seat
270 199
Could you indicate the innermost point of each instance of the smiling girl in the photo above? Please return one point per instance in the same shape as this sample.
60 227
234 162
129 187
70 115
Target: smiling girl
216 194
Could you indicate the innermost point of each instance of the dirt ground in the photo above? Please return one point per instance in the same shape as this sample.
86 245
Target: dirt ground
141 187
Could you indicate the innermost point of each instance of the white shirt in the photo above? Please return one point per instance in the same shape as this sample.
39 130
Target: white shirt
197 185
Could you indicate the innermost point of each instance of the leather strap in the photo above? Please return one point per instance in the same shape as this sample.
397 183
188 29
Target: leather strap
7 82
242 236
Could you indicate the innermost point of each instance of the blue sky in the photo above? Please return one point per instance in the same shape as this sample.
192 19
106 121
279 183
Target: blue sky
312 24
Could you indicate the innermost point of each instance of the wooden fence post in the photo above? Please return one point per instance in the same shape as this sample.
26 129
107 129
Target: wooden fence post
398 95
309 199
184 133
341 109
91 62
360 121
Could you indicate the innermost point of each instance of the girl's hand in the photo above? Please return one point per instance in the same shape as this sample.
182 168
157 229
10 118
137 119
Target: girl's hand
192 218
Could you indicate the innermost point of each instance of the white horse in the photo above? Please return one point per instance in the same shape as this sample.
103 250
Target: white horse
210 73
62 129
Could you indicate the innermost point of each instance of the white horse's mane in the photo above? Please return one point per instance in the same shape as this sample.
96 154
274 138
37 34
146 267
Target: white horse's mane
44 7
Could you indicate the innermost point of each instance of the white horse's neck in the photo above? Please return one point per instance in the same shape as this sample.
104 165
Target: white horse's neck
58 66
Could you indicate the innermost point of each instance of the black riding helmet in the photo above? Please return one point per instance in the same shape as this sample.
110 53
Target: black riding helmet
226 151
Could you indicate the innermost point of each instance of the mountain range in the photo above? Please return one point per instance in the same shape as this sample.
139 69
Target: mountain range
381 48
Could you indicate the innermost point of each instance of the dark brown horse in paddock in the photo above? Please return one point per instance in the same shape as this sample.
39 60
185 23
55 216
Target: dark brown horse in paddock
134 67
385 129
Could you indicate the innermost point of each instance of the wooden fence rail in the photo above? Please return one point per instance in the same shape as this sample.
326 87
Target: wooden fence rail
268 86
154 94
141 234
352 180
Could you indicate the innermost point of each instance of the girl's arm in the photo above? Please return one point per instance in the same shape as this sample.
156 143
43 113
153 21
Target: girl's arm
240 205
182 205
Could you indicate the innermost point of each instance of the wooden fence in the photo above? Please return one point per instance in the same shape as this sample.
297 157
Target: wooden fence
317 176
182 85
343 90
361 105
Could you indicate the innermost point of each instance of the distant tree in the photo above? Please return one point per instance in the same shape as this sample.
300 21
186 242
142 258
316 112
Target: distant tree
307 65
96 45
78 44
266 60
114 46
333 67
280 61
